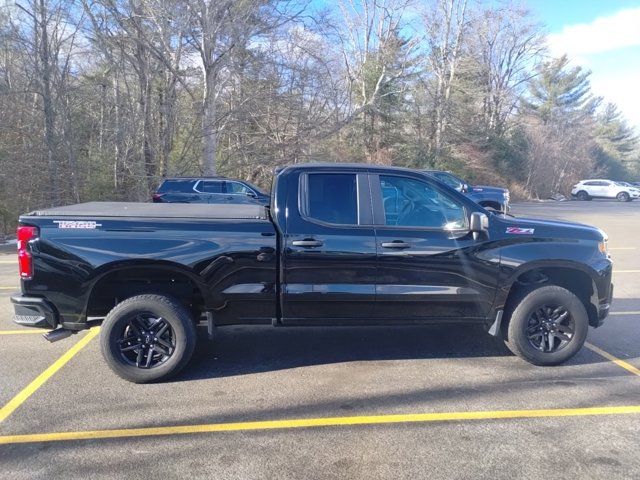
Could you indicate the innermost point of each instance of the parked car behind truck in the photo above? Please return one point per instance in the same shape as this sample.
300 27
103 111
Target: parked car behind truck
339 245
493 198
208 190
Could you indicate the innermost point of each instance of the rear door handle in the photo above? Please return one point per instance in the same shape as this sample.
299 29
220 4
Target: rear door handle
396 244
307 243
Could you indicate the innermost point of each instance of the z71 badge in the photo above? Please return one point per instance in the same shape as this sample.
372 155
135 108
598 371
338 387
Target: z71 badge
520 231
82 224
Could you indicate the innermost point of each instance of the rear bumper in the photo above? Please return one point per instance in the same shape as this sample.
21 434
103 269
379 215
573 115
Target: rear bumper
34 312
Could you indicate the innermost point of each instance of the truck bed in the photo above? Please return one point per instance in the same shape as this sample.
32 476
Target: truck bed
157 210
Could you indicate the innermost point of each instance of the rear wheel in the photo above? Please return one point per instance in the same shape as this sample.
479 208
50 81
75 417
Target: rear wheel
548 325
582 195
623 197
148 338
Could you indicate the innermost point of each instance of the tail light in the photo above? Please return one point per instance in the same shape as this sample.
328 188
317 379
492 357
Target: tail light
156 197
25 260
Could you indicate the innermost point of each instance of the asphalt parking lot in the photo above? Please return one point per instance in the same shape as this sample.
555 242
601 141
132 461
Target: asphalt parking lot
404 402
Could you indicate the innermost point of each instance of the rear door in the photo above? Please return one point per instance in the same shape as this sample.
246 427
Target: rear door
178 190
212 191
329 262
429 265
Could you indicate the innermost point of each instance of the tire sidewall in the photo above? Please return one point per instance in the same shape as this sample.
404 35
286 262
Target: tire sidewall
162 306
582 195
520 317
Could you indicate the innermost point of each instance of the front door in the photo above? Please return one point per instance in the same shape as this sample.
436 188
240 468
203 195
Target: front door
429 265
329 253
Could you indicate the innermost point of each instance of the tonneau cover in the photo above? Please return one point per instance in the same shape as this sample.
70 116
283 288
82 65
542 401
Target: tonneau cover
157 210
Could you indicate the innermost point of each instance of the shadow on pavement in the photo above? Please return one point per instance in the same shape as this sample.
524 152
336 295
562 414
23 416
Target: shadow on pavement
246 350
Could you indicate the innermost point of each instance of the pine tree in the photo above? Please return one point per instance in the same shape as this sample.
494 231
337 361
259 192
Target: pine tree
560 94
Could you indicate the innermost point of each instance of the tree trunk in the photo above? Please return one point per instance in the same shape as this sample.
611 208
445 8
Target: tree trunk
209 133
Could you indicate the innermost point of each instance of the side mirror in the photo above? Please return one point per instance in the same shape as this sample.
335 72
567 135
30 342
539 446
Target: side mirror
478 223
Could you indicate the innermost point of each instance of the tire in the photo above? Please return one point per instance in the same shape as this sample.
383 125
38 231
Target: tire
623 197
582 195
150 315
523 324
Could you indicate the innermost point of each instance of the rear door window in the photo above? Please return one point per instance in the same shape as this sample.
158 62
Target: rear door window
333 198
211 186
177 186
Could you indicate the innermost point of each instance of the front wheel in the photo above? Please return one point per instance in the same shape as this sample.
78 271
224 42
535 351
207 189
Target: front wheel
582 195
148 338
623 197
548 325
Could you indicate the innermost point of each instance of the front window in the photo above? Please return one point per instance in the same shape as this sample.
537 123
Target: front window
333 198
238 188
449 180
413 203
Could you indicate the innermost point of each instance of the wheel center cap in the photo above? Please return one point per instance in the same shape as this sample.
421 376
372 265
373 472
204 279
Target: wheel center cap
147 339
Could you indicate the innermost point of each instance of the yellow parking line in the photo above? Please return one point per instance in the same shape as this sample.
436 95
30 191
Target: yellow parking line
621 363
317 422
10 288
7 262
30 389
21 332
632 312
626 271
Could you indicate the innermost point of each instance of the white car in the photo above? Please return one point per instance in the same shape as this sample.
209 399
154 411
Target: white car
598 188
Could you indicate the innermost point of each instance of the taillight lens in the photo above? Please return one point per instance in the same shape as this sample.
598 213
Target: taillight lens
156 197
25 260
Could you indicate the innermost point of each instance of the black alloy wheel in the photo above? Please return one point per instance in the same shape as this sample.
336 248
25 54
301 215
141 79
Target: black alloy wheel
546 324
550 328
148 338
147 341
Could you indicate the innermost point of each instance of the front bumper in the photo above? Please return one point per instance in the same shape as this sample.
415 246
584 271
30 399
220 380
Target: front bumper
34 312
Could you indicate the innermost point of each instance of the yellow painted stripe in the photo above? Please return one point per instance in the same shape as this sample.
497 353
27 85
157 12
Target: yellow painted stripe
7 262
621 363
30 389
626 271
317 422
632 312
10 288
21 332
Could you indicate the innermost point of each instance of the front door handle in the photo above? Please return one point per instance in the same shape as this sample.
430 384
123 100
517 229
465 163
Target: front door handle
307 243
396 244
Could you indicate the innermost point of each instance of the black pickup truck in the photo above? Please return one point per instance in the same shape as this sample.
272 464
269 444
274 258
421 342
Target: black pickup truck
339 245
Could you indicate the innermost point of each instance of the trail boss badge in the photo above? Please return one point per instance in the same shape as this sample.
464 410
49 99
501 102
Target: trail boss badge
81 224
